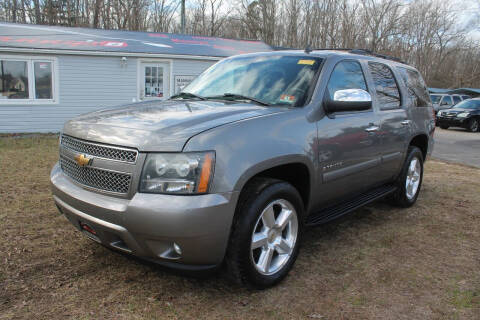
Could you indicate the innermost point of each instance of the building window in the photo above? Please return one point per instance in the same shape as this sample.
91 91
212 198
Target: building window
26 80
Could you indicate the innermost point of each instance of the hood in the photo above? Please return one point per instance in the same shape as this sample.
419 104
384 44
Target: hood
160 126
456 110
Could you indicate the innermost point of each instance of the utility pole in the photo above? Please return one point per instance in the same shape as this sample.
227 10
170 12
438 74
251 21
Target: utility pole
182 21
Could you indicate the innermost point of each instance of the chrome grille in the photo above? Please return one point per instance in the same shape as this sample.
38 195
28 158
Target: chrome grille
96 178
98 150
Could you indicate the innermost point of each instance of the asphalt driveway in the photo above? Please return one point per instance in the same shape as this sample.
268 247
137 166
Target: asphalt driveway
457 145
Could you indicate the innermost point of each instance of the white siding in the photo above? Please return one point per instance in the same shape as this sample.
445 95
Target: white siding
86 83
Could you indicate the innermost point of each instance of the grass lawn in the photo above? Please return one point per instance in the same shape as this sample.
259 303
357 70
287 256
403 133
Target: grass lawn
379 263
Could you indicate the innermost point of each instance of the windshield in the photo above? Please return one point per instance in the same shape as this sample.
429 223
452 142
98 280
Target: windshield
435 98
273 80
469 104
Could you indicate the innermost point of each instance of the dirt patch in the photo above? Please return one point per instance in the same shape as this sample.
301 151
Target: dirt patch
379 263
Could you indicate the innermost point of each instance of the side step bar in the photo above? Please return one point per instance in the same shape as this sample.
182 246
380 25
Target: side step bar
332 212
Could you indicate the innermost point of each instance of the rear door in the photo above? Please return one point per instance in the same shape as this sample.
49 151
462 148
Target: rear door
394 123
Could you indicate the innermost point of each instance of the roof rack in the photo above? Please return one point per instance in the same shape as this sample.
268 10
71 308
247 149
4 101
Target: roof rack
378 55
365 52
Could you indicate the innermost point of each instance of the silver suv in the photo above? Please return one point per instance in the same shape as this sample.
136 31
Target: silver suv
446 101
254 150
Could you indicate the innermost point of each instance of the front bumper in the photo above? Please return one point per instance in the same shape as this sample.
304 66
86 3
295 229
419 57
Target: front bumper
453 121
148 225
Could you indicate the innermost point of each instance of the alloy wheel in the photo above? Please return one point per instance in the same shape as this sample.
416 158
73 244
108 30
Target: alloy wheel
274 237
413 178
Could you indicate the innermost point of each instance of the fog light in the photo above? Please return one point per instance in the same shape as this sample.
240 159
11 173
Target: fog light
177 248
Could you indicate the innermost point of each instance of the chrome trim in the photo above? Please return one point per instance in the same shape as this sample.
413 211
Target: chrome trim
94 188
102 145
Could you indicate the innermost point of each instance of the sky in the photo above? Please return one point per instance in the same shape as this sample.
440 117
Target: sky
468 12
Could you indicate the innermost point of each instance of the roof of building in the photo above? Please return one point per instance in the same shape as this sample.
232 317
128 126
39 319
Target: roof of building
24 36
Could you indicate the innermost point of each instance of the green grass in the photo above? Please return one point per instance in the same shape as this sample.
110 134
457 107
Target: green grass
379 263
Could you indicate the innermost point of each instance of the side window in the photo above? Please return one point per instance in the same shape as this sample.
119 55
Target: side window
446 101
465 97
456 99
346 75
417 90
388 95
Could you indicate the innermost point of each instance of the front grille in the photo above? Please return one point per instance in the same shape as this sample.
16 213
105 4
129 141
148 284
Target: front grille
98 150
96 178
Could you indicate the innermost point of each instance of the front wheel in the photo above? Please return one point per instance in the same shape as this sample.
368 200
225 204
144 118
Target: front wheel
473 125
410 179
444 127
266 233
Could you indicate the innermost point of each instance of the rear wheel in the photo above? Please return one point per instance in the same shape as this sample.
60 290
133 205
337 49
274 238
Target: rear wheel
444 127
266 233
473 125
410 179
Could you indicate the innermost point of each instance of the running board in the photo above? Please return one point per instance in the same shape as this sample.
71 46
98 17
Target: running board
338 210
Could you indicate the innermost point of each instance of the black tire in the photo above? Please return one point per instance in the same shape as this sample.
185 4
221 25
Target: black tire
473 125
399 197
255 197
444 127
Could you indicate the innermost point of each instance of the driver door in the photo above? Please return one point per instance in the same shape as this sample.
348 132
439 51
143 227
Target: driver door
349 144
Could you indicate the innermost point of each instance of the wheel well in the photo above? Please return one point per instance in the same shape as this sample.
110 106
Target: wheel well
421 141
296 174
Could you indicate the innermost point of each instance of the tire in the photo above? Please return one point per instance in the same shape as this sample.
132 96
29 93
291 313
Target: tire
259 199
444 127
473 125
406 196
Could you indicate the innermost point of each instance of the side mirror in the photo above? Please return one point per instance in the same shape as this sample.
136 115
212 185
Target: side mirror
349 100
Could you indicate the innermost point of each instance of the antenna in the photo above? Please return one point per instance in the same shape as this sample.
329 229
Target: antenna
308 49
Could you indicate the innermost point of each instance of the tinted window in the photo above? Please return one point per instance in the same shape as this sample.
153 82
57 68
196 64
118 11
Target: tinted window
346 75
465 97
469 104
388 95
417 90
13 79
447 100
456 99
435 98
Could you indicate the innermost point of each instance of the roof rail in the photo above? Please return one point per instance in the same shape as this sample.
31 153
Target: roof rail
366 52
378 55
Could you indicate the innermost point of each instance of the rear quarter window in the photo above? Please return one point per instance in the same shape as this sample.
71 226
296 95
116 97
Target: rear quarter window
417 90
388 95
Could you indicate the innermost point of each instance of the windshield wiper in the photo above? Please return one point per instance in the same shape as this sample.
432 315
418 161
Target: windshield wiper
235 96
187 95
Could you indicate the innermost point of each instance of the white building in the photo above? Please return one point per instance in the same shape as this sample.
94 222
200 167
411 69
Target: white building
51 74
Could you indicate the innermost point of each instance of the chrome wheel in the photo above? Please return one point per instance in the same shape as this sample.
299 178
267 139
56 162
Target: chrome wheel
413 178
274 237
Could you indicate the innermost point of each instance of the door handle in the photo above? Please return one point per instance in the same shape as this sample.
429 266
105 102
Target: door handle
406 122
372 129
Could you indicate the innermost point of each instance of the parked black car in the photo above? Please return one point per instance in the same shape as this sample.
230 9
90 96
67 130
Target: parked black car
466 114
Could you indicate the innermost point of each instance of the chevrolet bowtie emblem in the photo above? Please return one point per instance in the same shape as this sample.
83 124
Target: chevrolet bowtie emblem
83 161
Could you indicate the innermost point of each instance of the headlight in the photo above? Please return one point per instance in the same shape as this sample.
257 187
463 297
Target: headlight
463 115
439 114
178 173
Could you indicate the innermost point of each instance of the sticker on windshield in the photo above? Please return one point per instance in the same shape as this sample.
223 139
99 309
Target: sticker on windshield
287 98
307 62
